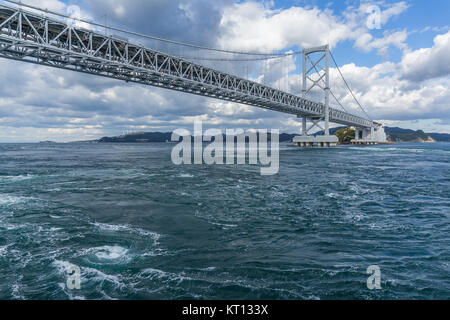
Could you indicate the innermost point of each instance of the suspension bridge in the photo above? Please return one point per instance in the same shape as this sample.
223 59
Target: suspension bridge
31 34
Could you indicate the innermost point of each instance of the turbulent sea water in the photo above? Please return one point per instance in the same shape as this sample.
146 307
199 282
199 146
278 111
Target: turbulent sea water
140 227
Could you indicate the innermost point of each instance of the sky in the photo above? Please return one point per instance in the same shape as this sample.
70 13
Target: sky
397 62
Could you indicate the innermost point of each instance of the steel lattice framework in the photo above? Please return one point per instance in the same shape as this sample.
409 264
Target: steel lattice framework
40 39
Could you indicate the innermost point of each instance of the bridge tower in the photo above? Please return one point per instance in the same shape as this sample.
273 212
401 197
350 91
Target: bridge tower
313 64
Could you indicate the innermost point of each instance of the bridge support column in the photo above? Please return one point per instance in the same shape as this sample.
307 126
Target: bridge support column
313 65
327 91
304 130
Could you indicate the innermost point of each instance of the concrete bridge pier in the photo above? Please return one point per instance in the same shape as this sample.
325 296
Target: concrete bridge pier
370 136
317 141
307 141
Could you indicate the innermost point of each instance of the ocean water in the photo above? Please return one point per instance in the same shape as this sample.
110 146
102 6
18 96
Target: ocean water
139 227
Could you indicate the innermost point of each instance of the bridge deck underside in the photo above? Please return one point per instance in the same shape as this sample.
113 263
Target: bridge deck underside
30 37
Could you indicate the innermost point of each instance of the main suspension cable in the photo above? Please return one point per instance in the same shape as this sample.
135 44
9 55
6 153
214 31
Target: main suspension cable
280 56
348 87
144 35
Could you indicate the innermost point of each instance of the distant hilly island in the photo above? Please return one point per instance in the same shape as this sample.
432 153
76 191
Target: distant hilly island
394 135
406 135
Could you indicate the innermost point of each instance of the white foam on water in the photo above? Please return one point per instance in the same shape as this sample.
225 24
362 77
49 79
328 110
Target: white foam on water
16 178
15 288
106 255
97 275
62 266
155 272
162 275
224 225
69 293
126 228
110 252
86 272
331 195
356 190
412 150
4 250
8 200
154 253
87 275
390 149
208 269
54 190
10 227
185 175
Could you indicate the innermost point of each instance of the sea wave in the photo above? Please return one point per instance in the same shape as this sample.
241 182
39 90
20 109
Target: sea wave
127 228
8 200
185 175
88 275
107 255
17 178
225 232
4 250
163 275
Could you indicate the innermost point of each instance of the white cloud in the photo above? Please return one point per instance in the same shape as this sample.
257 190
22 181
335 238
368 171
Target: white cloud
393 11
428 63
367 42
52 5
356 18
258 27
252 26
385 95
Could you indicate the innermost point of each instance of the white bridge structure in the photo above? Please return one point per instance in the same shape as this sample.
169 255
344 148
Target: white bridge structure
37 36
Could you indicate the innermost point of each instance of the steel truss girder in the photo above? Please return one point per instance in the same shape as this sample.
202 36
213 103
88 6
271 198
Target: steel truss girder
29 37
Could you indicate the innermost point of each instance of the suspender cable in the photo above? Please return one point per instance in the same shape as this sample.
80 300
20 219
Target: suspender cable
348 87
